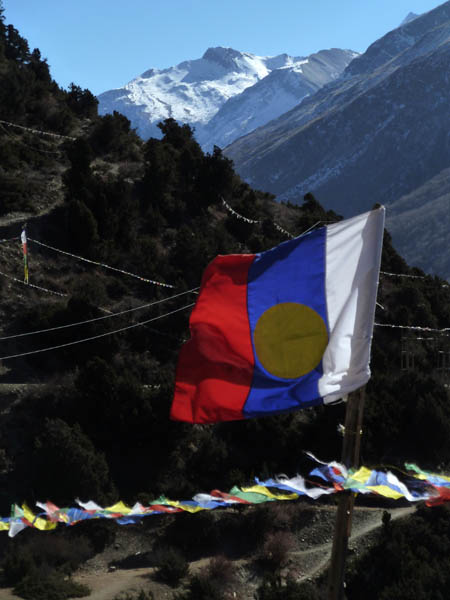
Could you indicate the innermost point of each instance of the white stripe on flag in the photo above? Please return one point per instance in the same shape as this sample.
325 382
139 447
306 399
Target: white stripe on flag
352 263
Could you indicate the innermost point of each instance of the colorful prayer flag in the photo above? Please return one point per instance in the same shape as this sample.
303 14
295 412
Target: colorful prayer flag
284 329
23 238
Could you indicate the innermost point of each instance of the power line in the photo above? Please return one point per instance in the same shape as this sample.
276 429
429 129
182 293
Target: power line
312 226
96 336
123 312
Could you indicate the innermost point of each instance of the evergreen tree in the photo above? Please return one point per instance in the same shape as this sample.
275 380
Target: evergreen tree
39 67
2 31
82 102
17 48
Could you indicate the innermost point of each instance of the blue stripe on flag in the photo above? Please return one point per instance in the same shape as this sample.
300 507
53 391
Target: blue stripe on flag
292 272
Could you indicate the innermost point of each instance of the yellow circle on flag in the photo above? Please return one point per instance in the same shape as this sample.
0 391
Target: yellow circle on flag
290 339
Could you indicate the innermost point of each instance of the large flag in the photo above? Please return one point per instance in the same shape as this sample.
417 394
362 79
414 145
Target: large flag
284 329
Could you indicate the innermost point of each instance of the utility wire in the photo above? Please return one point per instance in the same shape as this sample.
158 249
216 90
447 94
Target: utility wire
312 227
123 312
96 336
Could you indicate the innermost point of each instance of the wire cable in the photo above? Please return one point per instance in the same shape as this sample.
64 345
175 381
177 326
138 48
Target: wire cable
95 337
123 312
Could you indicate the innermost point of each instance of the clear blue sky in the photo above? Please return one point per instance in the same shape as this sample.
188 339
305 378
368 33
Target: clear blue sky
103 44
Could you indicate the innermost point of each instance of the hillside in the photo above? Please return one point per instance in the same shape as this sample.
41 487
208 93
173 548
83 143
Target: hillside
89 419
425 246
376 134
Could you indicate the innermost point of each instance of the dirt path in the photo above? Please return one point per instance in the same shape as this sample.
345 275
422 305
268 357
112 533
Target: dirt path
317 557
54 191
310 562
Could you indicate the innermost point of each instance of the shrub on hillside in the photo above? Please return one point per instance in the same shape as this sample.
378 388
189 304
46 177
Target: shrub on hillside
36 586
65 464
273 590
17 565
202 588
215 581
410 560
275 550
172 566
101 533
221 570
140 595
44 555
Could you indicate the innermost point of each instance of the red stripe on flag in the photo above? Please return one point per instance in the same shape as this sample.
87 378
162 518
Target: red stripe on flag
224 496
215 367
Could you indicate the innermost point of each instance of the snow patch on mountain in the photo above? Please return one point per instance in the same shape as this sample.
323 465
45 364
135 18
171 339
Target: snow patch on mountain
195 91
280 91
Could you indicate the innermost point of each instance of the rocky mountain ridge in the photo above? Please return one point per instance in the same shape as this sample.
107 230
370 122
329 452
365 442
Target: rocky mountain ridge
375 135
225 94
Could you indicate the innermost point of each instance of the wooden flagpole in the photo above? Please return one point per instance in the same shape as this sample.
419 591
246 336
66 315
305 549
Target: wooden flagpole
350 458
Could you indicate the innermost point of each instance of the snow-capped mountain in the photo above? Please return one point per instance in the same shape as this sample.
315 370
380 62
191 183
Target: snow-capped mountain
375 135
195 91
282 89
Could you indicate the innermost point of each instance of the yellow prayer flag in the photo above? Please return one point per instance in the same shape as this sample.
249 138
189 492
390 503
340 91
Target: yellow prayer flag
259 489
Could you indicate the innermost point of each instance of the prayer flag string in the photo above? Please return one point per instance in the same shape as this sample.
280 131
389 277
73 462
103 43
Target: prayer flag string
413 485
31 285
99 264
23 238
38 131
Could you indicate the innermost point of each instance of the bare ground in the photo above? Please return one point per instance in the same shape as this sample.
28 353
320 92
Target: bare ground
307 562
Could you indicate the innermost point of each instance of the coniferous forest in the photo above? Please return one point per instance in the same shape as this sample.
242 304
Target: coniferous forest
91 420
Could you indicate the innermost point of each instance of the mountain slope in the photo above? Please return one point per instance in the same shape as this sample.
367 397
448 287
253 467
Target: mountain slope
195 91
376 134
99 428
426 246
275 94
